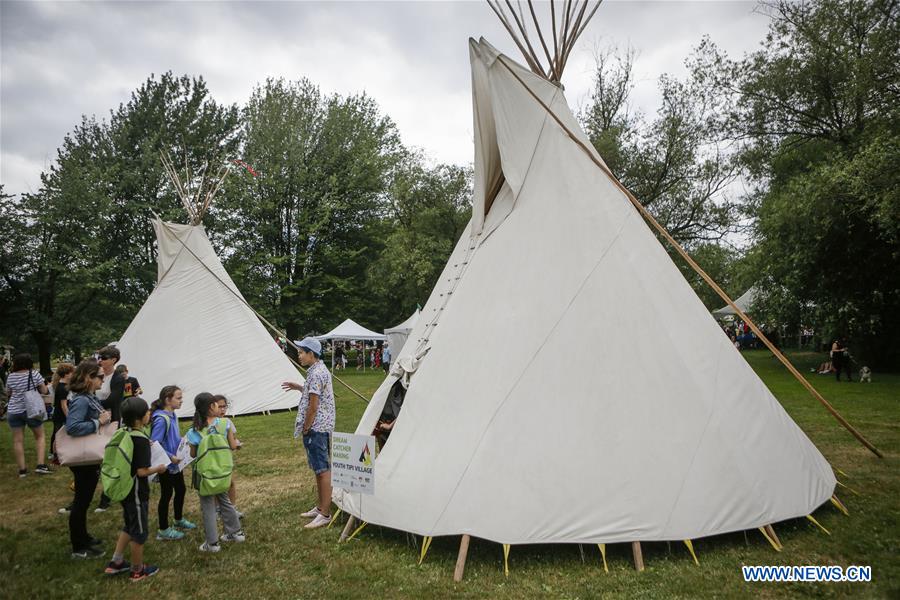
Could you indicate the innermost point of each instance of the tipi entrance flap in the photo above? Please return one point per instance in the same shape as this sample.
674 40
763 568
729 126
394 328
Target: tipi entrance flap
498 120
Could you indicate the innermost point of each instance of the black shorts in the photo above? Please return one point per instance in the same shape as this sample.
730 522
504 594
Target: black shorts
135 512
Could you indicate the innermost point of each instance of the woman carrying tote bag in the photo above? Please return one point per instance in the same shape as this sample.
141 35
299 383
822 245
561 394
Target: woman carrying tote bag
85 417
23 382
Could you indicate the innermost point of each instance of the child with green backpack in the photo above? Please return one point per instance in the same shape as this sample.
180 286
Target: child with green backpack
211 440
124 473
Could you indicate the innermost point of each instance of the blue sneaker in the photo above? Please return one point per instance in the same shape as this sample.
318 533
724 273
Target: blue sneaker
169 534
184 524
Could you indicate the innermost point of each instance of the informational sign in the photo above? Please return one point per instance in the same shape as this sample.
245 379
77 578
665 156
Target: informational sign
352 462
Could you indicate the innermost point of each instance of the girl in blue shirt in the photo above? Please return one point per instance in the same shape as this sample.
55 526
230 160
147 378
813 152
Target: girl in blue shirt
165 432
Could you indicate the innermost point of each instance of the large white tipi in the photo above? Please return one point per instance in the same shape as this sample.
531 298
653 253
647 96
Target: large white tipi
566 384
196 331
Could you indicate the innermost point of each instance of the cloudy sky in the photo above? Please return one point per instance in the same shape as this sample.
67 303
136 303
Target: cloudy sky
60 60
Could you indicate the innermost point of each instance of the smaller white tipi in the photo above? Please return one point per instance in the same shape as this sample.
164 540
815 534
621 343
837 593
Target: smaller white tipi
396 335
196 331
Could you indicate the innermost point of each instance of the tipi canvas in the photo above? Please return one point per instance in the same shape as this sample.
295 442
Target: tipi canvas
565 382
195 331
397 335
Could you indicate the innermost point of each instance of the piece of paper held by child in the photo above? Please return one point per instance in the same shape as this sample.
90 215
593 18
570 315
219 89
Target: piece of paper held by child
158 456
184 453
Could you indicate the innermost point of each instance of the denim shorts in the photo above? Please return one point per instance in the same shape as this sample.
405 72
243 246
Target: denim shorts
20 420
317 444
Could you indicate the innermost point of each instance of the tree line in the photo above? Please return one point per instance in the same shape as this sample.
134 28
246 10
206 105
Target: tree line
778 169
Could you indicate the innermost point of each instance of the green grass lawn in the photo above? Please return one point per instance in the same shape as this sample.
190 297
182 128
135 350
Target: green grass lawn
281 560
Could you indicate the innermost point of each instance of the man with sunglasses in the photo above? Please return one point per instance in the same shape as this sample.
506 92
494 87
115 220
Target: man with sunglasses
111 394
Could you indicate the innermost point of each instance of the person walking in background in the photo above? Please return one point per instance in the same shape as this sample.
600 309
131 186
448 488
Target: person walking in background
386 358
22 379
315 423
360 356
338 355
840 359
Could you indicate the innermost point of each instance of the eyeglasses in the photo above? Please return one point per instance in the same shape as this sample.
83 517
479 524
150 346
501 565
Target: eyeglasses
98 376
105 357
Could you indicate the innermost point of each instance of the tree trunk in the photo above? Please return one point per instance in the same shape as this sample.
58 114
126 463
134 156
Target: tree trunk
44 345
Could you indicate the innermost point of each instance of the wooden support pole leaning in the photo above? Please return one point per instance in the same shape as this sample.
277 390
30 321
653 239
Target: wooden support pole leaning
709 280
771 531
638 557
839 505
603 555
461 558
765 533
347 529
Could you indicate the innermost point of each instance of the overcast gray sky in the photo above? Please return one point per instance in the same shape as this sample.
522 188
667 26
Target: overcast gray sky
60 60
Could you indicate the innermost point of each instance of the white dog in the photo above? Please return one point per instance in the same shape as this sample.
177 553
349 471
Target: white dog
865 375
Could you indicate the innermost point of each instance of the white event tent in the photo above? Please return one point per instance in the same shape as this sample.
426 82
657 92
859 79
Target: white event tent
744 302
350 330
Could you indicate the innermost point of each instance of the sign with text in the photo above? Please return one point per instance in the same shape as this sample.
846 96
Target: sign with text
352 462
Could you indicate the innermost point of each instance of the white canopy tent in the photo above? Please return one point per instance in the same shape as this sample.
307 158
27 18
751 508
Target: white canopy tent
196 331
745 303
397 335
350 330
663 436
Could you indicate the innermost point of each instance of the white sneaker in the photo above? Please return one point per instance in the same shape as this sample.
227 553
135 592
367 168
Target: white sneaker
204 547
320 521
237 536
311 513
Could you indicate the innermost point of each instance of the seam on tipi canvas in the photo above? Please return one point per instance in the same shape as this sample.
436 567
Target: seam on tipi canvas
512 388
177 256
700 439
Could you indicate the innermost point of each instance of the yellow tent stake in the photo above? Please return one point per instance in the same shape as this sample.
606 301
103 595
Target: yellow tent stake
852 491
603 554
771 541
426 543
333 519
690 547
817 524
506 559
839 505
358 529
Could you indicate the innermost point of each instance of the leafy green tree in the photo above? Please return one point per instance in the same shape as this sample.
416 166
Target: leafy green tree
429 210
678 164
818 111
82 259
301 233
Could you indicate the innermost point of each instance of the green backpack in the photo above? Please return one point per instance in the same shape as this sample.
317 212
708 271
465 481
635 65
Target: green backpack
115 472
214 463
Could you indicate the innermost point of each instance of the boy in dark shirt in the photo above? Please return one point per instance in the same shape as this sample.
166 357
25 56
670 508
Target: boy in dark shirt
135 416
132 387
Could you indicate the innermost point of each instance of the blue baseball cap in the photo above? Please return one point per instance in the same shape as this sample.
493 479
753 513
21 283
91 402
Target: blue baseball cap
311 345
